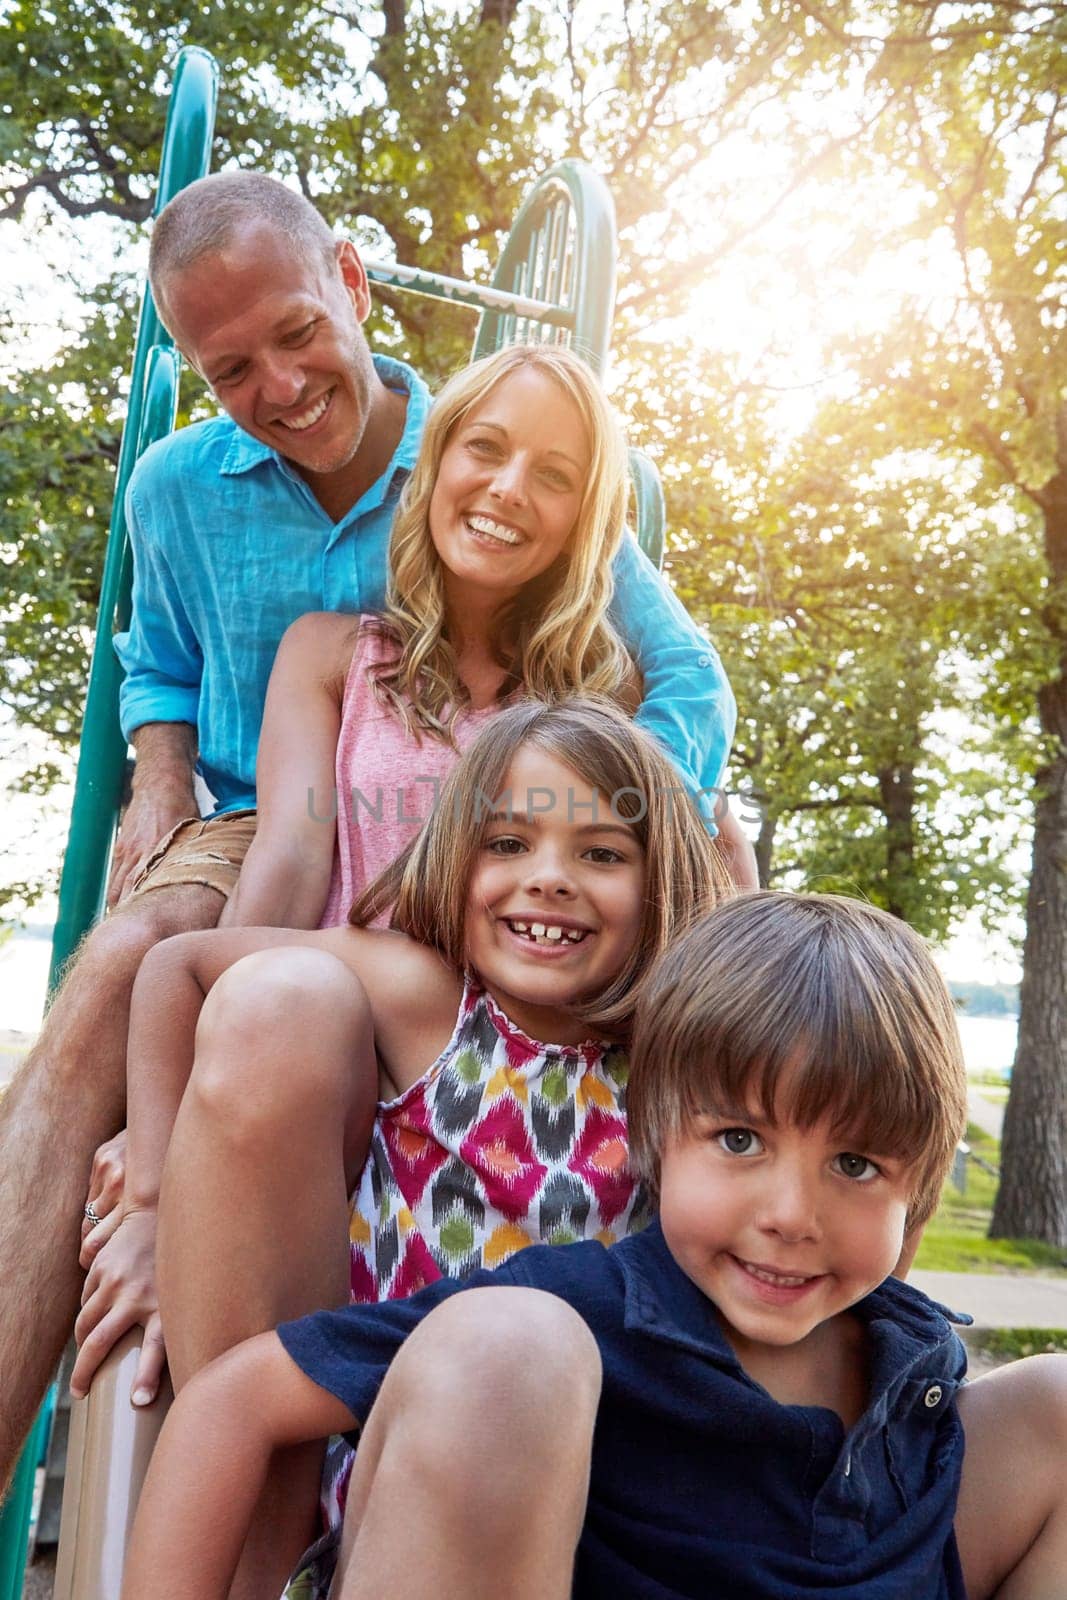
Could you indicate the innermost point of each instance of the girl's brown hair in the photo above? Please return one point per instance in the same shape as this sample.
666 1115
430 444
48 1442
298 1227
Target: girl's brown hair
428 884
837 997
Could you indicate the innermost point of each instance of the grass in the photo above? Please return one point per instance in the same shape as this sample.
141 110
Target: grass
1008 1344
955 1238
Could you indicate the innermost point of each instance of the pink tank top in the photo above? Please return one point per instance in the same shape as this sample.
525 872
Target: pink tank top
386 781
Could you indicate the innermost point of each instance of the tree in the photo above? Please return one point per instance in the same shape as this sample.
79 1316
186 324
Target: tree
977 125
876 564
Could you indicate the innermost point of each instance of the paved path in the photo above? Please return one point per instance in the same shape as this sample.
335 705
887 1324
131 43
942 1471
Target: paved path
997 1300
988 1114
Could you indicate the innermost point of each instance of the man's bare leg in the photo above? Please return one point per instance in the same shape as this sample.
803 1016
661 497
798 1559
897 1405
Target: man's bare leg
68 1096
480 1441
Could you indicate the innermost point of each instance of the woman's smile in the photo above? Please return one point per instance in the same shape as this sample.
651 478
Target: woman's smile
509 488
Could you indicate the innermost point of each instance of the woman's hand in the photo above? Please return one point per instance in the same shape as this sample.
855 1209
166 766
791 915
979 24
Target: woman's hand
107 1181
120 1292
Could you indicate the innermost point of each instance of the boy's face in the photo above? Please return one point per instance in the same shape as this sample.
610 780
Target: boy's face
782 1227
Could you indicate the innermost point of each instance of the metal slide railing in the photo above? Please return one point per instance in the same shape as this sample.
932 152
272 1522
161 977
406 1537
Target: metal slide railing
152 408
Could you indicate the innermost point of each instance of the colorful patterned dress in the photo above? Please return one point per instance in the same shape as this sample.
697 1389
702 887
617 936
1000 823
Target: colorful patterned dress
503 1142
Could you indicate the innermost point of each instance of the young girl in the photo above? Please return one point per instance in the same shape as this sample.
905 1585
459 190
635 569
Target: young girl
559 861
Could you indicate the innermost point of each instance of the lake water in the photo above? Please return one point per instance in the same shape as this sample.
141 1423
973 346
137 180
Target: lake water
988 1042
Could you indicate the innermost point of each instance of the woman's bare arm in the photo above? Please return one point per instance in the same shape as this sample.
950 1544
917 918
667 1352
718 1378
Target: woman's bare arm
286 875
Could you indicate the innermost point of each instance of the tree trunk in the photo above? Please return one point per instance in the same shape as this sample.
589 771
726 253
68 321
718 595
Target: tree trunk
765 846
896 785
1032 1199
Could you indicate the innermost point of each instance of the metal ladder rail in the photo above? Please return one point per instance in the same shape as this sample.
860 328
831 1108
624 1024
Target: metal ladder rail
102 759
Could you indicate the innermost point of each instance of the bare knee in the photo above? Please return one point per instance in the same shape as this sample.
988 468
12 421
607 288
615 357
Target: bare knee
1012 1489
276 1034
114 951
83 1040
1026 1400
459 1376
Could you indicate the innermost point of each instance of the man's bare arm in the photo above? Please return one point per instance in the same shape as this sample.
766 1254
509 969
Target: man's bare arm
162 797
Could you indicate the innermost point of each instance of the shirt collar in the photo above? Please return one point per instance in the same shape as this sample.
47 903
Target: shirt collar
245 453
663 1302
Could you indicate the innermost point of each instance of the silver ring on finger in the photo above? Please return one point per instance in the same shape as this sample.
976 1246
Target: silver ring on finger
90 1215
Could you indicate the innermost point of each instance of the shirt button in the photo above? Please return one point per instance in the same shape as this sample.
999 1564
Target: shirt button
932 1396
703 661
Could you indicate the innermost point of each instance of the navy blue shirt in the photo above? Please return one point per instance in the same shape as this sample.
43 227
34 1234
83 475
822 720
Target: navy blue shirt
702 1484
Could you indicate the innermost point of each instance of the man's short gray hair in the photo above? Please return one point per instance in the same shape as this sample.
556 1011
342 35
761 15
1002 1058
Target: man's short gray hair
202 218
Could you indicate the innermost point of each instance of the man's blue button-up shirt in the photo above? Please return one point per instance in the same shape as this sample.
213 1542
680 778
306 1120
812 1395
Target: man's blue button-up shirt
701 1484
230 546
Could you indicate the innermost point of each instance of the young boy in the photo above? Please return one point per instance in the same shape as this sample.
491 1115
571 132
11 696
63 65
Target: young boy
738 1402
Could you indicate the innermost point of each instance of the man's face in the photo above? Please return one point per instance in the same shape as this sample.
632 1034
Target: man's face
276 333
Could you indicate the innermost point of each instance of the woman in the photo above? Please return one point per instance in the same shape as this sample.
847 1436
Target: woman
500 580
500 583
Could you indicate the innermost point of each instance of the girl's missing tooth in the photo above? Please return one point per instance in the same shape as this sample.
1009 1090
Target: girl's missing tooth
595 778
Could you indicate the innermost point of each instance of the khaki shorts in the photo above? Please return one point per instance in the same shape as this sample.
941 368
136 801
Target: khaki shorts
207 851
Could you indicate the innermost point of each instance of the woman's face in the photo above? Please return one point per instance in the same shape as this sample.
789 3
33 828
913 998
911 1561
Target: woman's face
508 488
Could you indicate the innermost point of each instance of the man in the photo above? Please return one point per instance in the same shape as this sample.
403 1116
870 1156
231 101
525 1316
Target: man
282 505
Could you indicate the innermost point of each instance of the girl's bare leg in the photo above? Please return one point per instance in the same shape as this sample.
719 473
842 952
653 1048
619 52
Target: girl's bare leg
473 1468
253 1221
1011 1522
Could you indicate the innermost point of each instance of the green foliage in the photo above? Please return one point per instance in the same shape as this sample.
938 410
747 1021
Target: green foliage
1011 1344
955 1239
986 999
875 575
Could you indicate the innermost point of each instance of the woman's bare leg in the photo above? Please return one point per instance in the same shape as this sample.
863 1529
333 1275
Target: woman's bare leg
473 1469
1011 1522
253 1220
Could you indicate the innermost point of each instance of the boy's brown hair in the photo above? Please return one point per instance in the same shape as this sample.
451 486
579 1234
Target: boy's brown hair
840 995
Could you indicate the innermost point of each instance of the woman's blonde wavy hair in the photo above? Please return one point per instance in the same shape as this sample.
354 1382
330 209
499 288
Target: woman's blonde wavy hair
428 885
555 638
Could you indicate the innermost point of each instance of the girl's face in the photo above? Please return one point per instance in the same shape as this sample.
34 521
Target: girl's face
555 899
508 488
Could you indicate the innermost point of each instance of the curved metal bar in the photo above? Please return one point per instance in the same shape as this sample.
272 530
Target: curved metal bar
650 505
576 262
102 757
438 287
103 751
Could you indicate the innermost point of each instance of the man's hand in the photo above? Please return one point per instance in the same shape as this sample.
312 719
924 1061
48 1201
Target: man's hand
162 797
120 1292
107 1182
